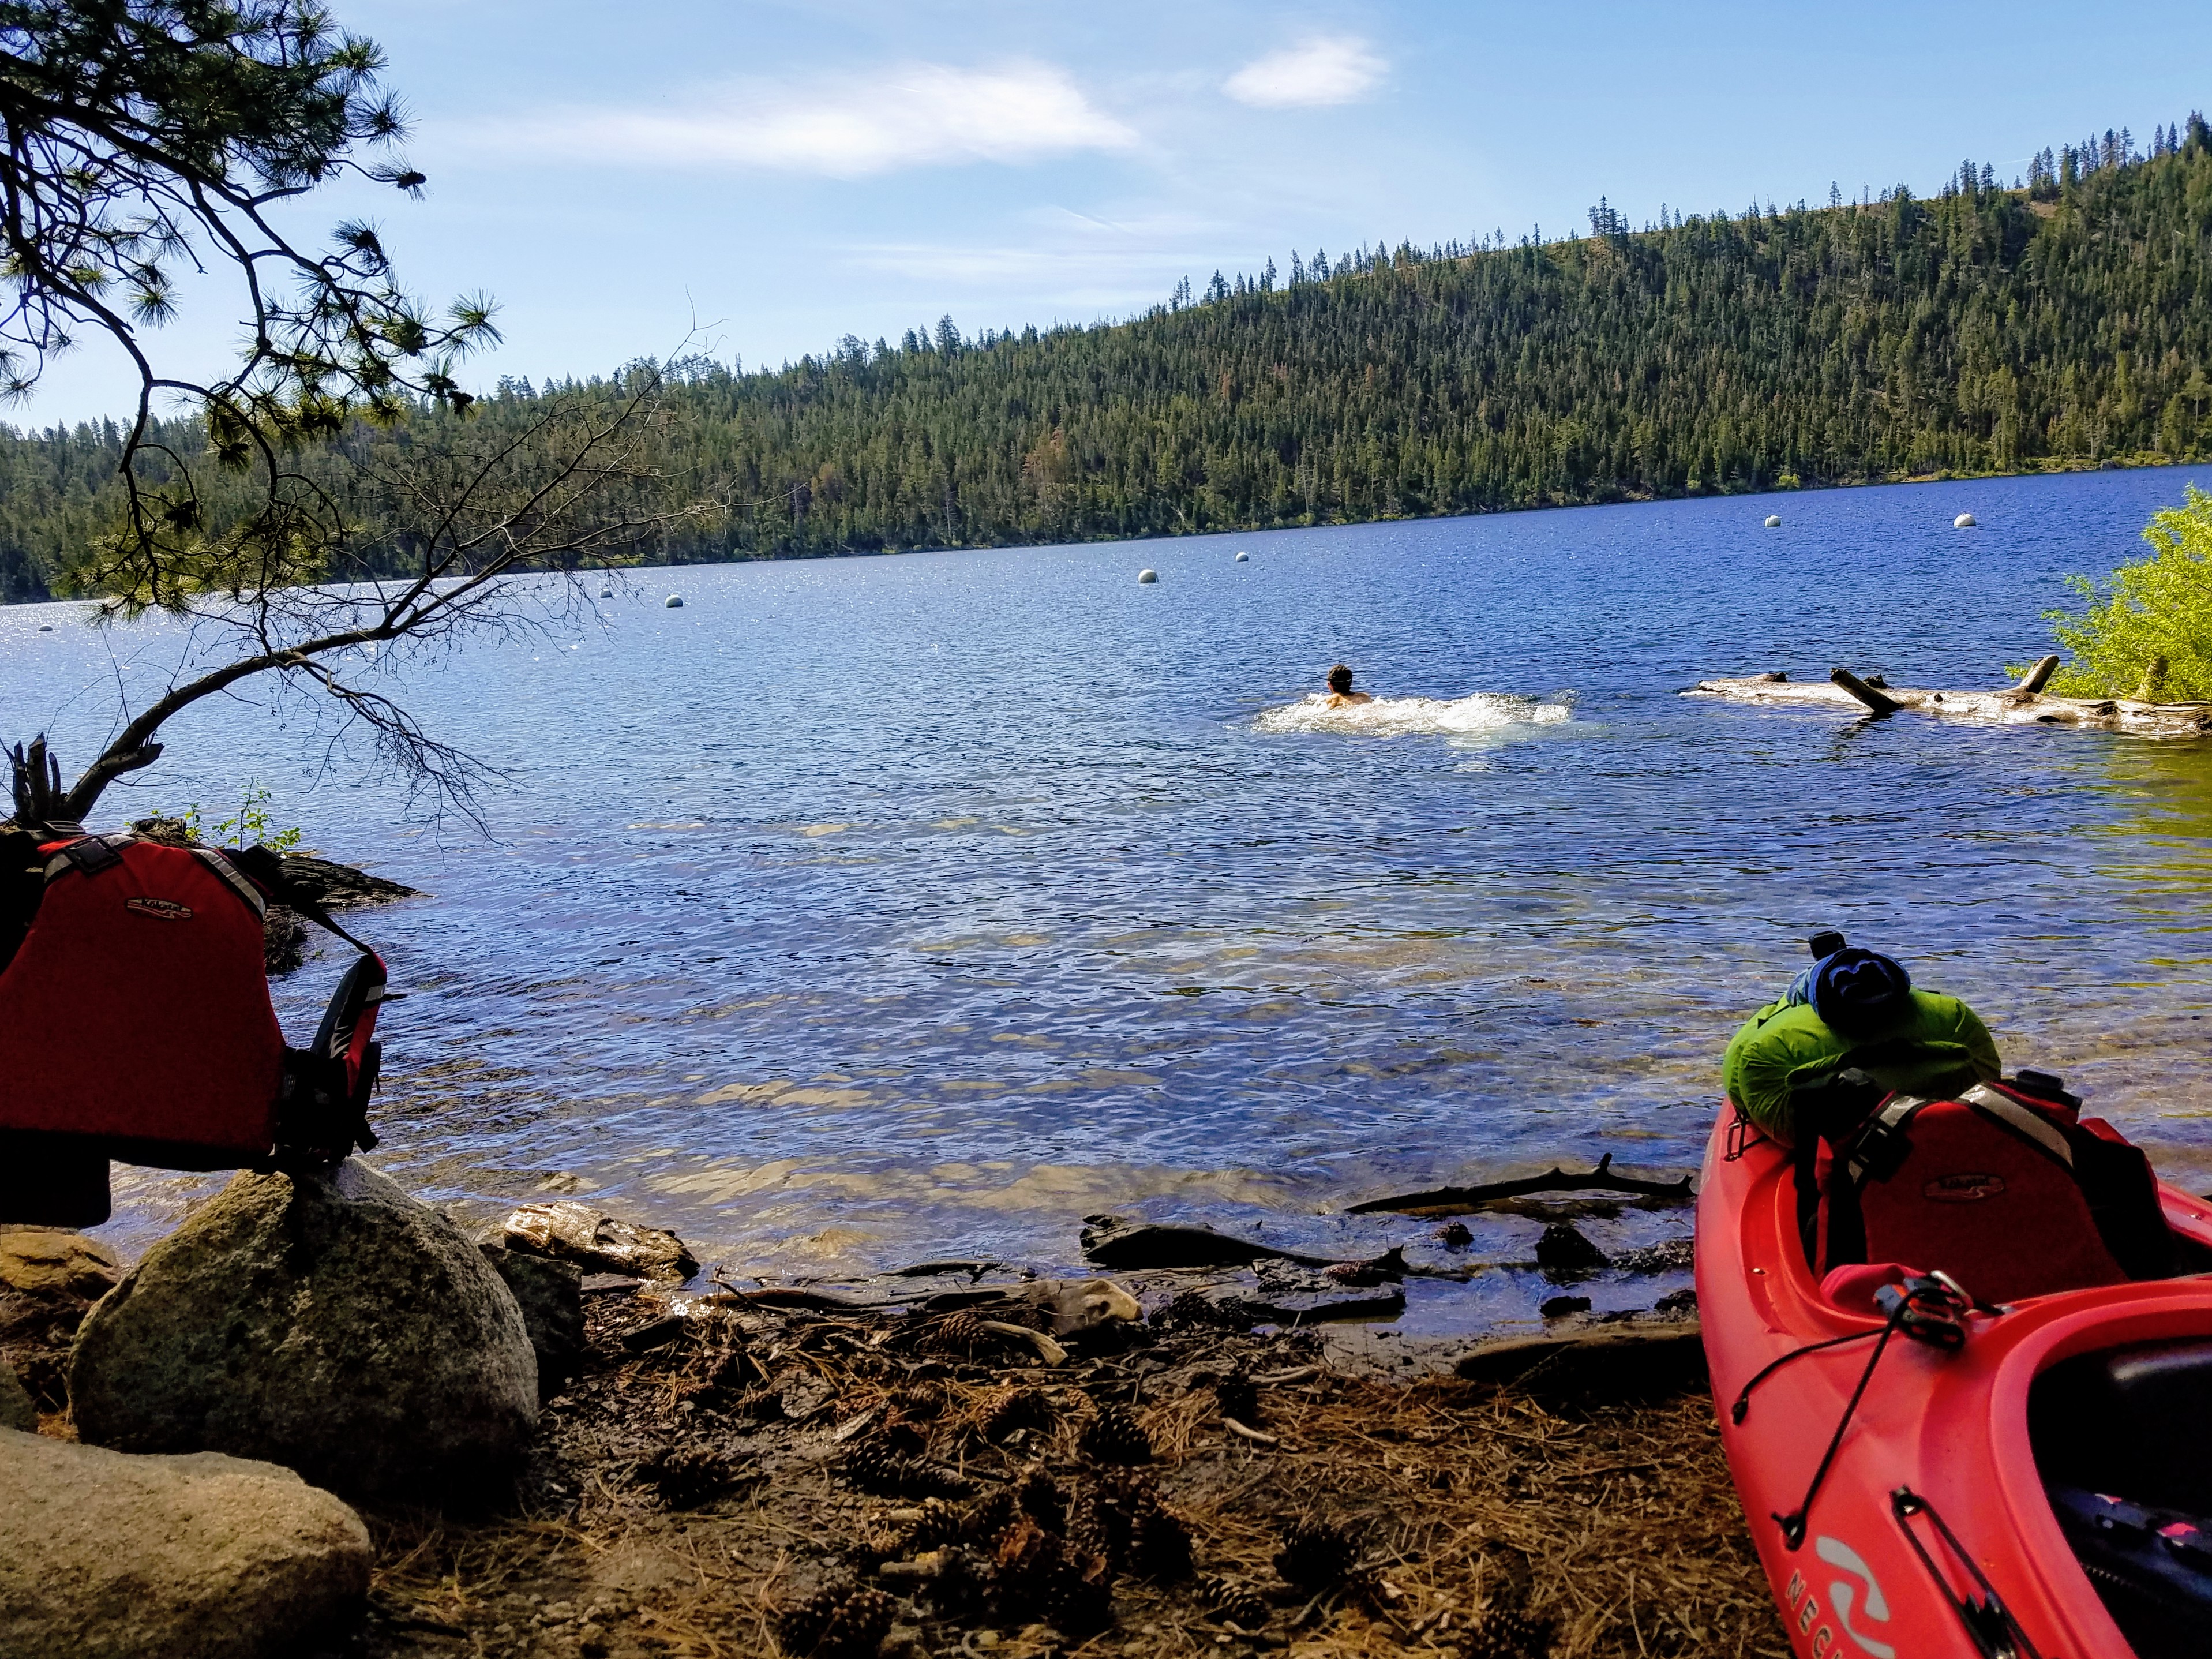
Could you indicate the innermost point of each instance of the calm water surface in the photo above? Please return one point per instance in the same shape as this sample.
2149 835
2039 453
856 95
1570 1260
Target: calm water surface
871 909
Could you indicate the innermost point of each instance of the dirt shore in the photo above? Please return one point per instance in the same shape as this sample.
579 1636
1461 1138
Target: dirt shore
749 1480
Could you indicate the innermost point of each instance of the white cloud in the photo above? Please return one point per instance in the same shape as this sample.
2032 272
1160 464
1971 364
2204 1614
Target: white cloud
908 116
1087 260
1329 69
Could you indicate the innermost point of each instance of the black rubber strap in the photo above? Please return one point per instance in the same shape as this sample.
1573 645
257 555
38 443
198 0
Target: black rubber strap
265 867
1741 1409
1793 1524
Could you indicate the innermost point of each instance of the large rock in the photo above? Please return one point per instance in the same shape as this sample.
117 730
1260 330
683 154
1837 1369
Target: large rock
325 1321
598 1244
46 1262
551 1296
49 1280
104 1556
17 1411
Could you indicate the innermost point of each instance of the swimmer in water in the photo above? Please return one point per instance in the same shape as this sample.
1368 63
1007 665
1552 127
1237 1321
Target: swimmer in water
1340 694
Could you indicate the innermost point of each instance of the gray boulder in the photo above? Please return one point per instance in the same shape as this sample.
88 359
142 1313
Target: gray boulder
325 1321
551 1296
17 1411
104 1556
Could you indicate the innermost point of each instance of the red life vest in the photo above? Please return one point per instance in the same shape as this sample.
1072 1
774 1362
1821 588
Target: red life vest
136 1021
2001 1189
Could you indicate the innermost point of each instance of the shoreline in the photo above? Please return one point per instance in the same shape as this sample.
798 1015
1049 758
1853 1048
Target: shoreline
705 1494
2145 461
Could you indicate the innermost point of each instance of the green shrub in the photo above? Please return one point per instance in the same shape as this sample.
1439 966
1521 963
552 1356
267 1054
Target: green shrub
254 822
2149 633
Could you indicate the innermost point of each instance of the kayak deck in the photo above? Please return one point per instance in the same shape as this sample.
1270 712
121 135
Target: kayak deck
1934 1504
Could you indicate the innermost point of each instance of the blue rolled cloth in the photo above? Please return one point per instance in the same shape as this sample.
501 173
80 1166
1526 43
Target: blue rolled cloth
1854 992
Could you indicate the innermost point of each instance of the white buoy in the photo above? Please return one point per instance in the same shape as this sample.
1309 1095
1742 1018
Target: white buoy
1148 575
1244 558
674 601
1963 521
1774 521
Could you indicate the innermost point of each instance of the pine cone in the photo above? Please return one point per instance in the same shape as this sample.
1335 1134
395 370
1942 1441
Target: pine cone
1316 1555
688 1476
903 1532
1088 1531
1237 1398
983 1520
1015 1408
858 1627
940 1524
1159 1546
874 1466
1234 1603
1140 1533
963 1589
1507 1633
1191 1311
1040 1496
799 1626
919 1402
958 1335
922 1478
1077 1602
1026 1560
716 1378
1114 1435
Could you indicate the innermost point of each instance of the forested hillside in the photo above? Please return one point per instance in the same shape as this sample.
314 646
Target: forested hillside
2066 321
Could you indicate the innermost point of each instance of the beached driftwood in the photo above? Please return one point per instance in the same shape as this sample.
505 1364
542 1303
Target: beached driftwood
2021 704
1458 1201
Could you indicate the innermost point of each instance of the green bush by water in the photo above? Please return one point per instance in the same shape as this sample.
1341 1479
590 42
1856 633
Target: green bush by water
2148 632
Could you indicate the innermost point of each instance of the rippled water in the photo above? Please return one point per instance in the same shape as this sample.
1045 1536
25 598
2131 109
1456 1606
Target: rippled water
871 909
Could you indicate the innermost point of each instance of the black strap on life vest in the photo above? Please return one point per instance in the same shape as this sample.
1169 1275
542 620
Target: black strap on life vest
266 869
322 1111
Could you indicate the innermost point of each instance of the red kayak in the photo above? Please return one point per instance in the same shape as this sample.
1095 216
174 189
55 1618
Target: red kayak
1932 1467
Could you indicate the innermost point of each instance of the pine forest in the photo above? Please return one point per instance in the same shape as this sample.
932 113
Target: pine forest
2063 321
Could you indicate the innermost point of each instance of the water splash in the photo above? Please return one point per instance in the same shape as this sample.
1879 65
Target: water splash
1479 714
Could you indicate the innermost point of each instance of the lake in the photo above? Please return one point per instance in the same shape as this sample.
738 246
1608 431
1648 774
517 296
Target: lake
867 910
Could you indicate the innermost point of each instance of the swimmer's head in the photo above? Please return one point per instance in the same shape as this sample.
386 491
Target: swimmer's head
1340 680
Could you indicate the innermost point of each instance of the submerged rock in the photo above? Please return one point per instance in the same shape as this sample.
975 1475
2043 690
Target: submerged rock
575 1232
1562 1249
104 1556
323 1319
1675 1255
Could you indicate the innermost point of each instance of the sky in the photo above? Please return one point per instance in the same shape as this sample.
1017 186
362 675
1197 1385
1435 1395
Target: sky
755 178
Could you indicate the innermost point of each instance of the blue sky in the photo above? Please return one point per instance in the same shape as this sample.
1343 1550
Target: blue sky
765 177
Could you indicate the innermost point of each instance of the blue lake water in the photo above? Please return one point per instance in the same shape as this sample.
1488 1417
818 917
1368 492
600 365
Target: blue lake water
871 909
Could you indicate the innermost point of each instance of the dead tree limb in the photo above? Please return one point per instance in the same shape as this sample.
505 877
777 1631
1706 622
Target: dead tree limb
1455 1200
2023 704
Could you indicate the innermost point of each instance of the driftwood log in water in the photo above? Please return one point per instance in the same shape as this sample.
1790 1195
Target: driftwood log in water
2023 704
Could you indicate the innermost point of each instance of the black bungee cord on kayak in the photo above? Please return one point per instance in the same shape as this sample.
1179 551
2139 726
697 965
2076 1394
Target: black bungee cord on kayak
1988 1623
1930 1309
